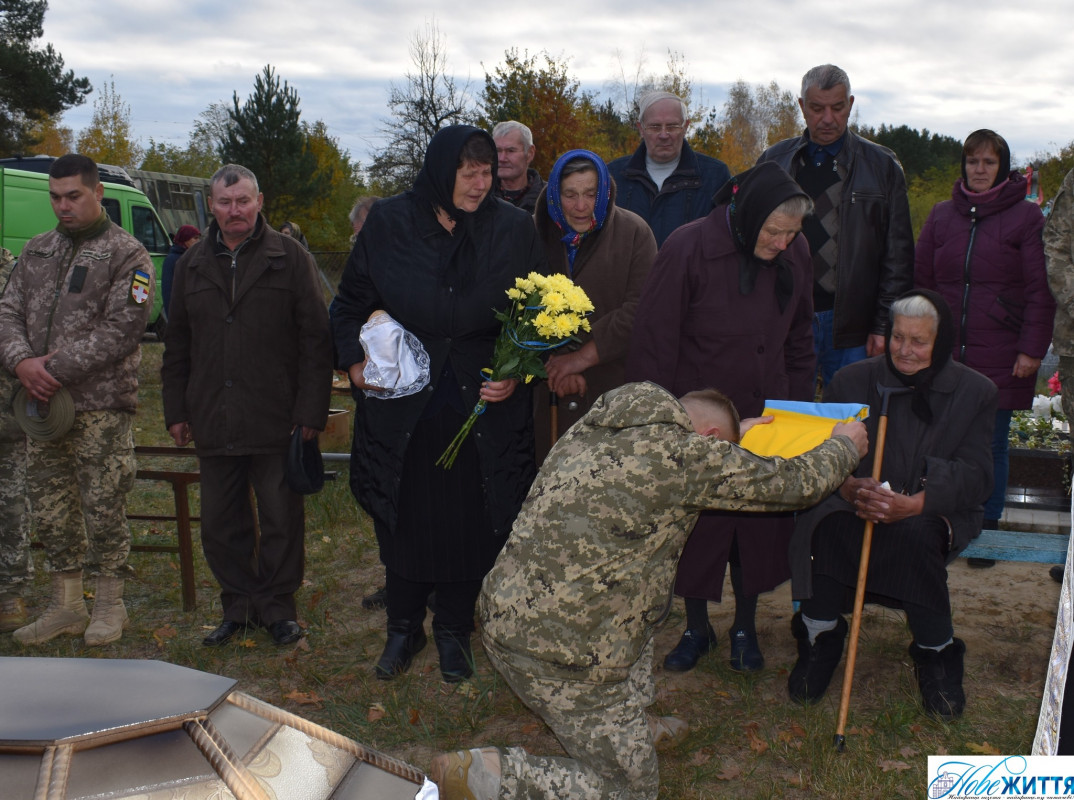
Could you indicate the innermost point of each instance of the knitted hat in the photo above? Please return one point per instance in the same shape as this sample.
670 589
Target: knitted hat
186 233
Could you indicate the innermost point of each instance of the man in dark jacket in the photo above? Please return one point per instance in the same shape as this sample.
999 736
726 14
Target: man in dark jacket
665 182
517 182
247 359
859 234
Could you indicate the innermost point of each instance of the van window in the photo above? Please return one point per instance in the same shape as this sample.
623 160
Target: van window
111 206
148 231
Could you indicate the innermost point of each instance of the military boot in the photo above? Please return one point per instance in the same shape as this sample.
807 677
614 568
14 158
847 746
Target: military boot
66 611
12 613
109 614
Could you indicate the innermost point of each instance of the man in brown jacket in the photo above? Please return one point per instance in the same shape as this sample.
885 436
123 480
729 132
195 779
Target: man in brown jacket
247 359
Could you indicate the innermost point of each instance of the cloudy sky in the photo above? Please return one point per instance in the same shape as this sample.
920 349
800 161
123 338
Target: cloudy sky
936 64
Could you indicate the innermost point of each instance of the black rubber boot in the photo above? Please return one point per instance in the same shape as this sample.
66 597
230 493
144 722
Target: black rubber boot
816 663
405 640
456 658
939 676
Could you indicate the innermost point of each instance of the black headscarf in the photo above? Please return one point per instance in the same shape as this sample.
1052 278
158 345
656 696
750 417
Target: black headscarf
436 181
435 184
921 381
1004 155
751 196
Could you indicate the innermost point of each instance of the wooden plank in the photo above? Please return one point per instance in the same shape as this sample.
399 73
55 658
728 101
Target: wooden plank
1041 548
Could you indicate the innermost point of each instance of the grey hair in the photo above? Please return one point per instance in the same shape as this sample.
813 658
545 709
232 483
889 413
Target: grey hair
576 165
796 206
360 205
824 77
513 126
655 97
916 306
230 174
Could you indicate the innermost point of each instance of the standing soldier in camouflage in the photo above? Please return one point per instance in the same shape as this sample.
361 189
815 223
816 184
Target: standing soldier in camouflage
569 610
15 564
71 319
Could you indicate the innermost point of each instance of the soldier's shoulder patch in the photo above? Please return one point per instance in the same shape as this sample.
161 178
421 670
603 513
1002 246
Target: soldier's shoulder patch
139 287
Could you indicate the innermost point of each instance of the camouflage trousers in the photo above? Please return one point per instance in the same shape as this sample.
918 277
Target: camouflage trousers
602 726
78 489
1066 378
16 568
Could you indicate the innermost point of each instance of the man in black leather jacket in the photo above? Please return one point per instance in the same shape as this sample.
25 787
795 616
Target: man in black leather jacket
860 234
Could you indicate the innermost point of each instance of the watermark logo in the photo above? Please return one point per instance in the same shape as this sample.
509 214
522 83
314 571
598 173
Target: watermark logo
1008 777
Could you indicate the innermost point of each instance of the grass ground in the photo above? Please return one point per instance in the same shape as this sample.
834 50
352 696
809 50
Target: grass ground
747 740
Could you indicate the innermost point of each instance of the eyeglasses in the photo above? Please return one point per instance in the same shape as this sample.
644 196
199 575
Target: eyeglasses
656 130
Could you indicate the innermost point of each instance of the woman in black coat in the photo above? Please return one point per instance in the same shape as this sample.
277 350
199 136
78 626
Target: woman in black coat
439 259
937 471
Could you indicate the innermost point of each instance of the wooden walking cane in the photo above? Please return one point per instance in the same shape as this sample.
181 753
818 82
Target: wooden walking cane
863 567
553 414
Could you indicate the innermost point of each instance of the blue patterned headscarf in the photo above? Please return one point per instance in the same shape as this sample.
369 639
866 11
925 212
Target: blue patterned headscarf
571 238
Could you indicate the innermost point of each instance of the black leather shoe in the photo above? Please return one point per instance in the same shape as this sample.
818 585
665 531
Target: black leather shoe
284 631
224 633
690 648
404 642
456 658
745 652
377 600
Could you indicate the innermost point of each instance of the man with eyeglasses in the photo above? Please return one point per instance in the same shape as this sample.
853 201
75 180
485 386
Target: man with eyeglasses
665 181
519 183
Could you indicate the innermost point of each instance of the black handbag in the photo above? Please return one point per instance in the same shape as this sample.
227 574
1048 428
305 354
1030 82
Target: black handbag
305 467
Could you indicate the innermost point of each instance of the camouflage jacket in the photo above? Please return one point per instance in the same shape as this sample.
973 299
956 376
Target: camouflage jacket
9 384
88 300
587 572
1059 252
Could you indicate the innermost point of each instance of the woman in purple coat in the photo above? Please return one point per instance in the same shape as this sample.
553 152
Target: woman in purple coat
982 251
729 305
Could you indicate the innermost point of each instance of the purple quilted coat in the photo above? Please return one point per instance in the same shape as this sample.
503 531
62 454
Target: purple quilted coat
985 256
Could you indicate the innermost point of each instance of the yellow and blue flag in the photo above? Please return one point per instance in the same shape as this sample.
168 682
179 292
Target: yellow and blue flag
798 427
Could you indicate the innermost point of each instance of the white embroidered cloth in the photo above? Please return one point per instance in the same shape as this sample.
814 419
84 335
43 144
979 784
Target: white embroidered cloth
397 363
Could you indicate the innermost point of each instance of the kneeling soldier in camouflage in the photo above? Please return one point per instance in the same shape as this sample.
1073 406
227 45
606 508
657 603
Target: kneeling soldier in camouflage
570 607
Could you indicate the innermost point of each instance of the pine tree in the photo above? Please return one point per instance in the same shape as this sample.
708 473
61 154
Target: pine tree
33 84
266 137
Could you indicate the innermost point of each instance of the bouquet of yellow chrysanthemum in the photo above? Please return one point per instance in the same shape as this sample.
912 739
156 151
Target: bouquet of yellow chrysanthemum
546 312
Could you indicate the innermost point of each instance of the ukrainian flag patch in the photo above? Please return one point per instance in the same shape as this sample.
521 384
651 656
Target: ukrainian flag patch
140 287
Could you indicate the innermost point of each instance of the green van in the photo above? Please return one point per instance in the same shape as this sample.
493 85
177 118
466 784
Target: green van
25 211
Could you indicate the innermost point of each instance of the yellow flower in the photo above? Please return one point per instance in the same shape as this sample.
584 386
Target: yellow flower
515 294
545 324
567 324
577 300
526 285
528 378
554 302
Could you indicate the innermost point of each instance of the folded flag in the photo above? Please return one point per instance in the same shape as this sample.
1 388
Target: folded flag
798 427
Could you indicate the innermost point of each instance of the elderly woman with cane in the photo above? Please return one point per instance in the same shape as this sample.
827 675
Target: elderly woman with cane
924 509
607 251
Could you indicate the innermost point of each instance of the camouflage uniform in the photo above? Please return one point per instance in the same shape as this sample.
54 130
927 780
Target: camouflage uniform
87 298
1059 252
15 564
570 607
